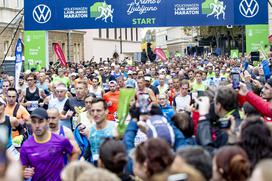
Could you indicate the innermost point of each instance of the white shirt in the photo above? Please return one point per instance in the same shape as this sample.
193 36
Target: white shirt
57 104
182 102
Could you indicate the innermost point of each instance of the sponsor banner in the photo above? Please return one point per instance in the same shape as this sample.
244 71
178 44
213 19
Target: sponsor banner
35 49
90 14
234 53
60 55
256 38
160 53
18 61
123 108
270 38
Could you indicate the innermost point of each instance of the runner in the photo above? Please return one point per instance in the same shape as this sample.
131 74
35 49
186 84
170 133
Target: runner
42 154
102 129
111 99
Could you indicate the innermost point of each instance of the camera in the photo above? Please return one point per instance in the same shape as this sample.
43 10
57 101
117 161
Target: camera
224 123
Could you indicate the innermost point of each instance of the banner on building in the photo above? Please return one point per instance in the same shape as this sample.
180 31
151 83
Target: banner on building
160 53
256 38
60 55
18 61
234 53
270 38
87 14
35 49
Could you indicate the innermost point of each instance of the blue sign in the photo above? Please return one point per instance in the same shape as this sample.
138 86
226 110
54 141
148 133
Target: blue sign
19 51
90 14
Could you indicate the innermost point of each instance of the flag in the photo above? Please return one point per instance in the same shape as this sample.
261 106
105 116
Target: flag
266 69
123 107
18 61
270 38
60 55
160 53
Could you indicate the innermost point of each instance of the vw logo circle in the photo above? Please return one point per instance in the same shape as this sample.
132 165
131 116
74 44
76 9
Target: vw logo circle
41 14
249 8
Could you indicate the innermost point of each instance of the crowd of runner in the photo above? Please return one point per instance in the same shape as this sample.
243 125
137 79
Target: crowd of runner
191 119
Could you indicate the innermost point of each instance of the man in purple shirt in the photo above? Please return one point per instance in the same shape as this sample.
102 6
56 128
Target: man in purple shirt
42 154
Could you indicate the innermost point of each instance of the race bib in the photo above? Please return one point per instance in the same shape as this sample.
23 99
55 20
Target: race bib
34 105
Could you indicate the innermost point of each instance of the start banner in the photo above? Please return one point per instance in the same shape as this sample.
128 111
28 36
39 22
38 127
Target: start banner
91 14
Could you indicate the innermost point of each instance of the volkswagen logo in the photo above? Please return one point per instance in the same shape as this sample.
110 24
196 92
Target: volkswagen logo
41 14
249 8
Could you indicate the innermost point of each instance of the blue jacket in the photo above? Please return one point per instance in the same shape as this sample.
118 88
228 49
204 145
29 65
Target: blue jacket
168 112
132 130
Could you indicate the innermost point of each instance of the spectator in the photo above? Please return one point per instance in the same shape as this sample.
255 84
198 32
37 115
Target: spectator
231 164
255 139
72 171
149 164
198 158
112 156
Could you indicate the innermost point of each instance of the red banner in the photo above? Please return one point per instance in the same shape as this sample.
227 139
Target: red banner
59 52
160 53
270 38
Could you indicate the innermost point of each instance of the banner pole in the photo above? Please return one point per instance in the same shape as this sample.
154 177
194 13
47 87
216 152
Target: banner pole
269 3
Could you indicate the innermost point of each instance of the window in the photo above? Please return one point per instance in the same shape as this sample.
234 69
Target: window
120 37
115 33
75 52
131 34
18 3
107 33
5 3
6 45
137 38
126 33
63 48
99 33
78 52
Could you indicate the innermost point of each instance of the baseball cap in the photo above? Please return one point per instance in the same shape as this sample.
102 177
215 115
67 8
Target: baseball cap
130 84
130 72
73 74
39 113
209 64
113 82
147 78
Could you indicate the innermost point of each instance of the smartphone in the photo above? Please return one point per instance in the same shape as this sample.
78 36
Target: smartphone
224 123
235 80
178 177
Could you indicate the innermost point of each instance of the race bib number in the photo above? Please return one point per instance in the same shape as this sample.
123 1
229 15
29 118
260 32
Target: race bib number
34 105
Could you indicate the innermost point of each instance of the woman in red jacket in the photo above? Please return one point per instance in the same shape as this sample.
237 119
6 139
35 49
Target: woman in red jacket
262 104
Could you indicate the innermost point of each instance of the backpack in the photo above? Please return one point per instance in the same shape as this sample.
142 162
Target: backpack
160 128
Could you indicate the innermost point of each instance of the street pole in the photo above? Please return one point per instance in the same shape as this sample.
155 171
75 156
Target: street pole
269 3
121 43
243 41
68 45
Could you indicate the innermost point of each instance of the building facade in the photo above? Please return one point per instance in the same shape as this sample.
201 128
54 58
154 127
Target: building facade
8 10
101 44
72 42
175 39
